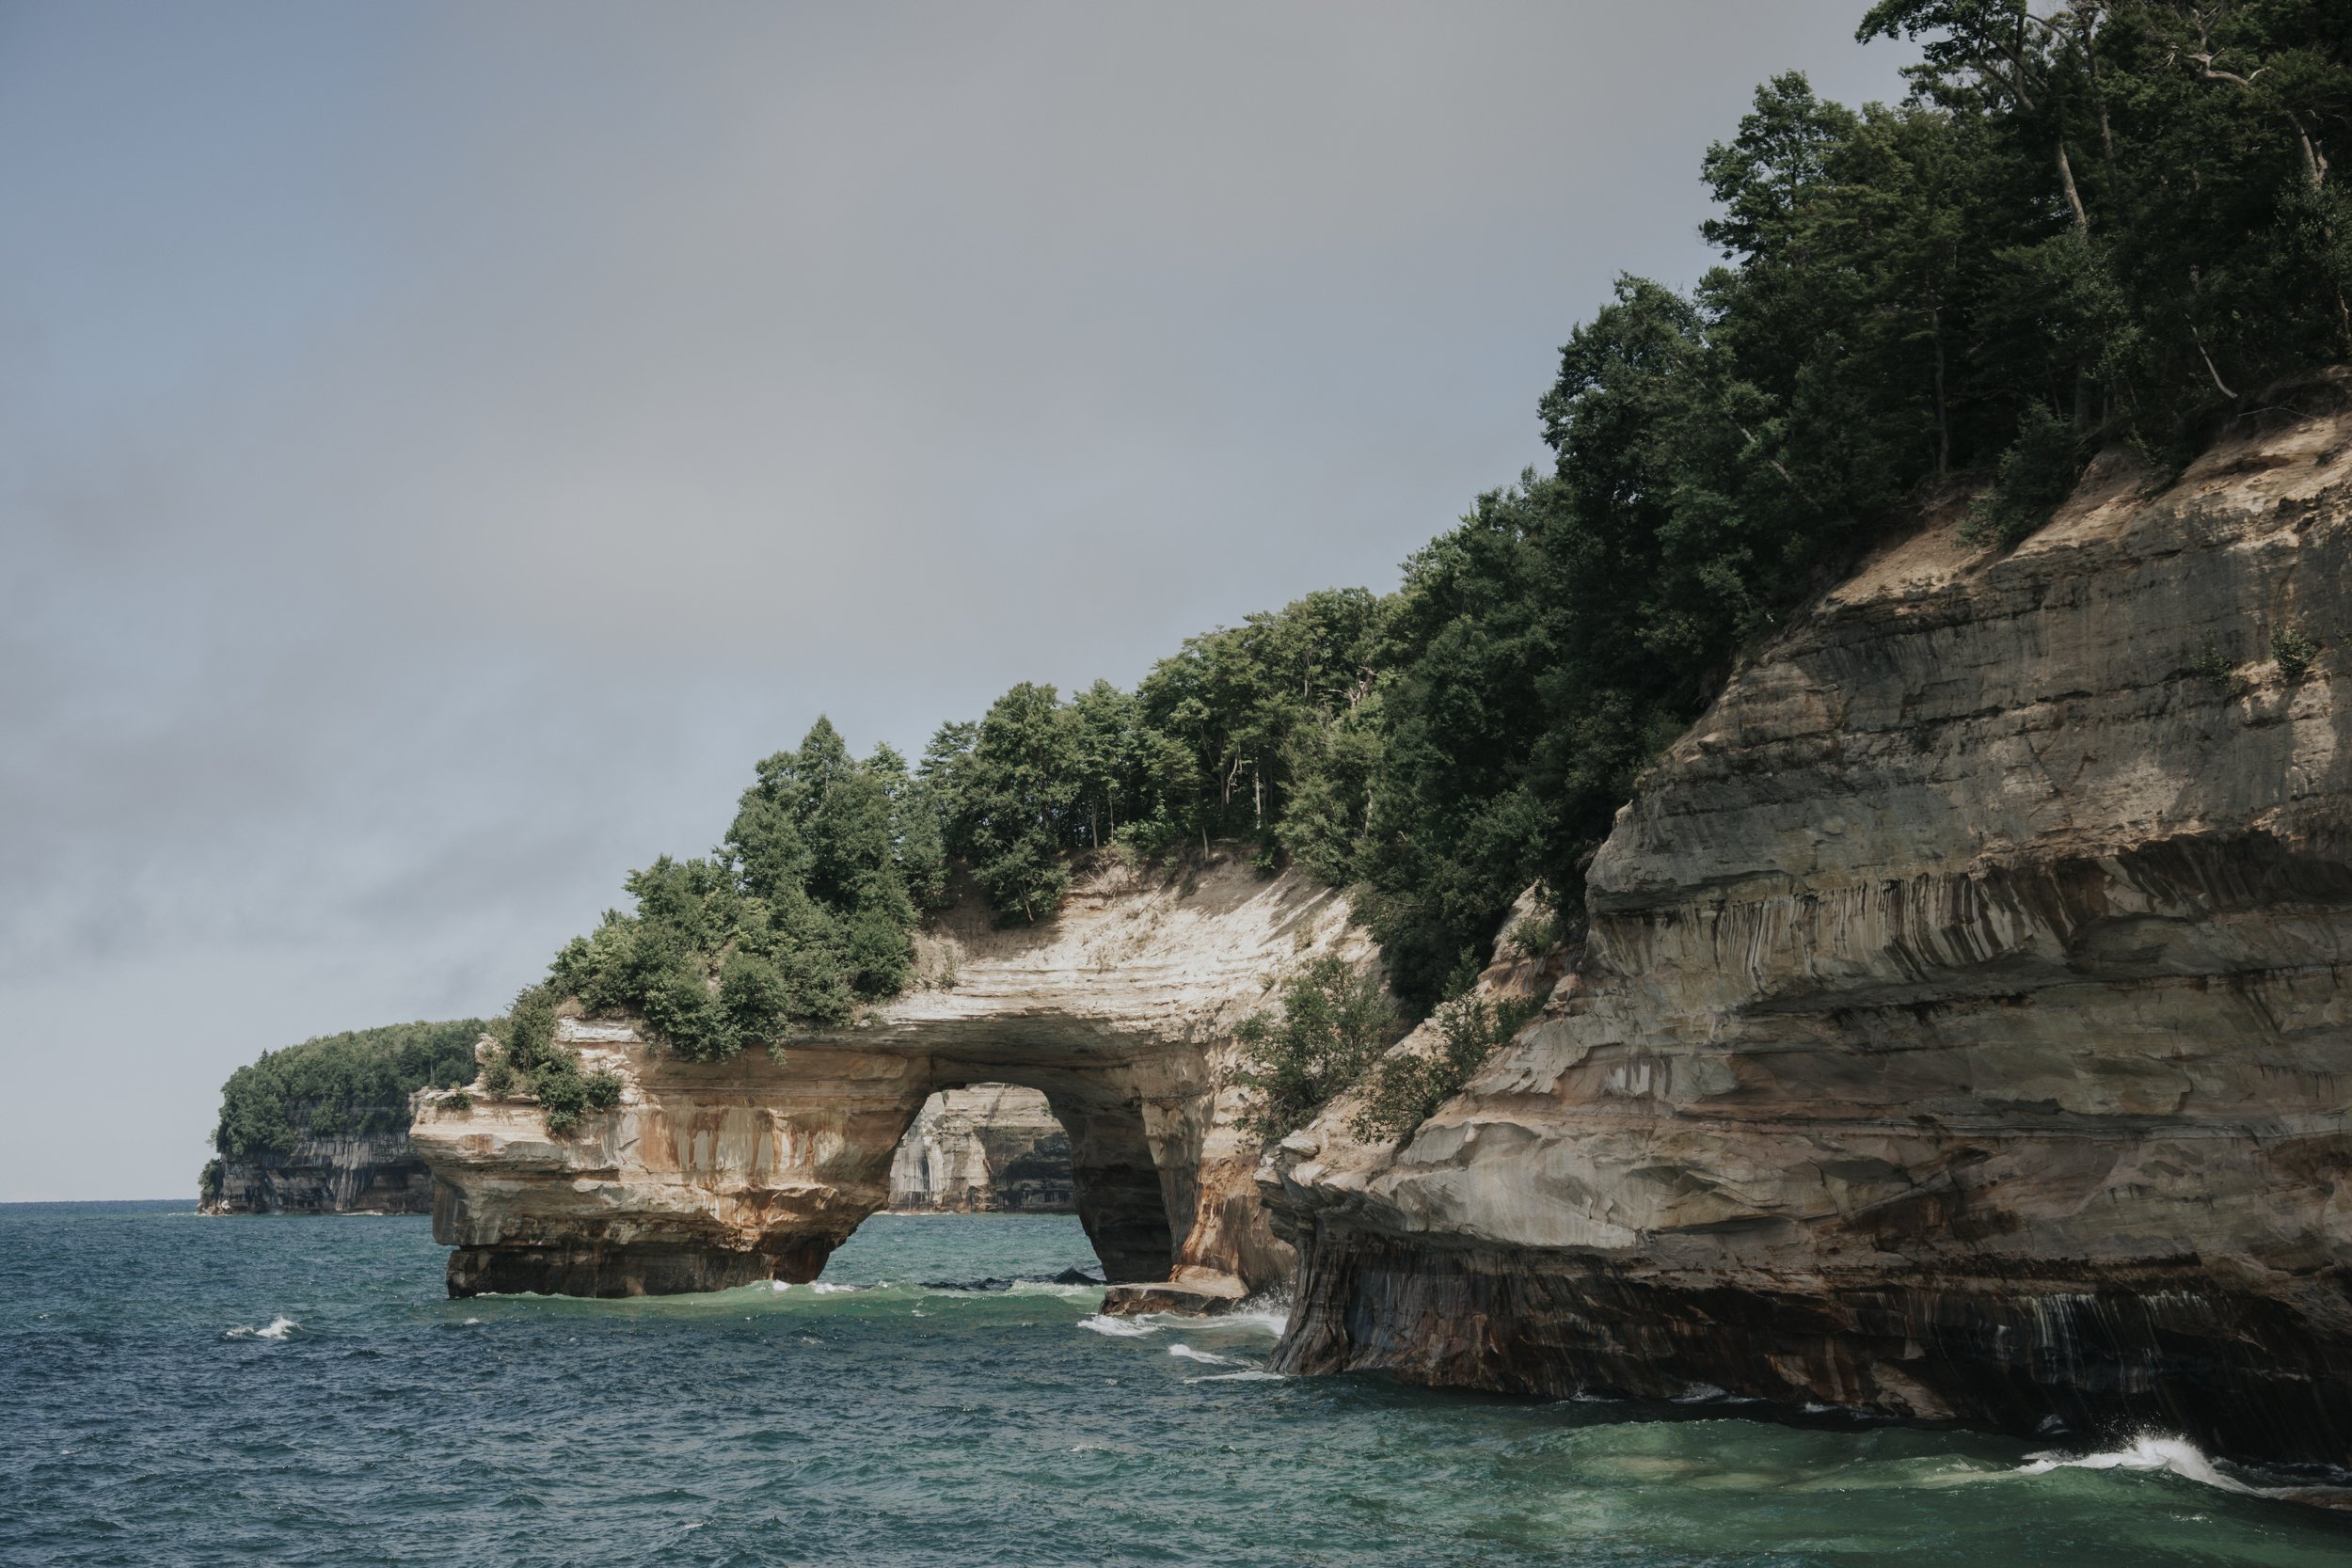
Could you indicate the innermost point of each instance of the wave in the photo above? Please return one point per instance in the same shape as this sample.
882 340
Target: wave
2147 1452
1251 1374
1119 1328
1191 1354
276 1329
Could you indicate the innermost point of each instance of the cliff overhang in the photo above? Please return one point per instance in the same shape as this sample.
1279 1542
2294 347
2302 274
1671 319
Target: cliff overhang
1964 1031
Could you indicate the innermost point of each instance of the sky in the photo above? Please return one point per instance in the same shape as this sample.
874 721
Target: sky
443 446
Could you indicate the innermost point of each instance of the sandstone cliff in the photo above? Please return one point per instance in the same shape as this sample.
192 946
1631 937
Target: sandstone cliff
1120 1011
990 1149
332 1173
1962 1028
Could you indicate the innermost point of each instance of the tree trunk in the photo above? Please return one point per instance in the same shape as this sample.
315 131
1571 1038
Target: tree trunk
1943 411
2074 197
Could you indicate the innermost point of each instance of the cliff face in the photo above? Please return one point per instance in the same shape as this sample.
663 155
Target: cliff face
1119 1011
338 1174
1961 1032
990 1149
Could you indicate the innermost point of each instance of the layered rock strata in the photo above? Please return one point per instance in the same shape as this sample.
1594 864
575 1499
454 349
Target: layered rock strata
329 1174
990 1149
1964 1029
1120 1011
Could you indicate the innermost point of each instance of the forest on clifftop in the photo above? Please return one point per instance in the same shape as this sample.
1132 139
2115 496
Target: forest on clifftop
2114 225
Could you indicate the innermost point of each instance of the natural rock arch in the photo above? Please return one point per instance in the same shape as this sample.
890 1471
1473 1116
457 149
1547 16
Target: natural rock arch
1121 1010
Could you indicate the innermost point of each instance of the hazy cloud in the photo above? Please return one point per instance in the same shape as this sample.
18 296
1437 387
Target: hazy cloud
443 446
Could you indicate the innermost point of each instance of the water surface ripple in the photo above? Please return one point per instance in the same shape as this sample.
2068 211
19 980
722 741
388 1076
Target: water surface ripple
184 1390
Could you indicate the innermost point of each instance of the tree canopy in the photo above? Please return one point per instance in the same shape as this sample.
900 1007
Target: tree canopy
355 1083
2107 223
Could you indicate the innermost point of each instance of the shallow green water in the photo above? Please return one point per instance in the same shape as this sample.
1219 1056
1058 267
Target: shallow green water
176 1389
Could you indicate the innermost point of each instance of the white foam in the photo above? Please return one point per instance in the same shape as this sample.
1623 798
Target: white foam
1119 1328
1191 1354
1699 1393
827 1288
277 1329
779 1285
1266 1319
2147 1452
1249 1375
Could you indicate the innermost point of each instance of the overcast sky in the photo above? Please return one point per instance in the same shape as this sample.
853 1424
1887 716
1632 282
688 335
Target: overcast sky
441 447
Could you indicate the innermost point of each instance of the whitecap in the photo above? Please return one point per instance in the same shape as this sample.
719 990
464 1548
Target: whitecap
1251 1374
779 1285
1266 1319
1699 1393
827 1288
1191 1354
277 1329
1119 1328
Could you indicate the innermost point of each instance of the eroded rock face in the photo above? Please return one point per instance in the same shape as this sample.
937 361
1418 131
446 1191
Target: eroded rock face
1119 1011
337 1174
1962 1028
989 1149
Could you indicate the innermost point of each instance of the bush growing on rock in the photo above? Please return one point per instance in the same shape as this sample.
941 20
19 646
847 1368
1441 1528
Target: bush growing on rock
1333 1023
2293 651
499 1078
1407 1088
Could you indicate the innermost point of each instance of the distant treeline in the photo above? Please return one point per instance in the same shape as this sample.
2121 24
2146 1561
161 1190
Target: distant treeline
356 1082
2113 226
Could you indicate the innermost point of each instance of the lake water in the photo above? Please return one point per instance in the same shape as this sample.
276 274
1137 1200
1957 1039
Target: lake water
184 1390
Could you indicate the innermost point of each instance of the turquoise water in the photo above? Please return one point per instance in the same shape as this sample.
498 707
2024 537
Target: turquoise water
184 1390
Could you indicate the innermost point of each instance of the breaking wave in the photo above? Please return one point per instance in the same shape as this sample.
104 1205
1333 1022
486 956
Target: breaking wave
1119 1328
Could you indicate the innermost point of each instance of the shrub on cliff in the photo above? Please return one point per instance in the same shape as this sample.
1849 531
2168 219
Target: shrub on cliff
1407 1088
356 1082
1333 1023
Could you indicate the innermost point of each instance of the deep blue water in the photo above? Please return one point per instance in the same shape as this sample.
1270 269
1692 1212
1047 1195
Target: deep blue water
184 1390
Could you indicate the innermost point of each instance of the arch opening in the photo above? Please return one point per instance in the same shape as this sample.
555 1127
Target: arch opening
1132 1191
984 1148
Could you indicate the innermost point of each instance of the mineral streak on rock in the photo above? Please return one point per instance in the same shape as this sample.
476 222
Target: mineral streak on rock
1120 1011
1961 1032
329 1174
990 1149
